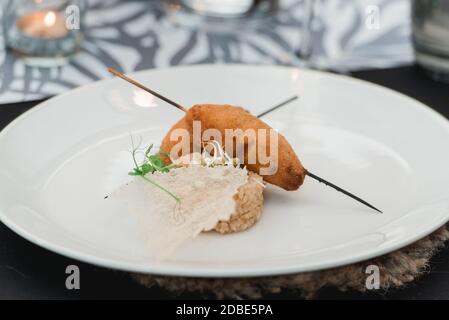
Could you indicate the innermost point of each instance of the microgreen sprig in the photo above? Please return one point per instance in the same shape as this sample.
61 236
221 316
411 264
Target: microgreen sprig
152 163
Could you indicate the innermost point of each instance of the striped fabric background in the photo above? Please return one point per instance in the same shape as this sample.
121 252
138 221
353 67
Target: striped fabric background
139 34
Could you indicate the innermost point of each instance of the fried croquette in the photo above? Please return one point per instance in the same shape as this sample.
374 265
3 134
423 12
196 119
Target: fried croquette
289 173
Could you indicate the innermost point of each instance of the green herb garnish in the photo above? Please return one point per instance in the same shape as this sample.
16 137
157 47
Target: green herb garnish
152 163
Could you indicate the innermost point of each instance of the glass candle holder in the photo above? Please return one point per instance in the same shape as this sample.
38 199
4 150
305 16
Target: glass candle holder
231 8
221 15
431 36
44 31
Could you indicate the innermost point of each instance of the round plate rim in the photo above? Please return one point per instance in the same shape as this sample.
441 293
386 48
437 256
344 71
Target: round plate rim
218 272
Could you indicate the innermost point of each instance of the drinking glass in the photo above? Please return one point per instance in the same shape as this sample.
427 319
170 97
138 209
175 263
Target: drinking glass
431 36
240 17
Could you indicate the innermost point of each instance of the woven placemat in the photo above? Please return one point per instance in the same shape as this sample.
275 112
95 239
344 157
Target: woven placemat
395 269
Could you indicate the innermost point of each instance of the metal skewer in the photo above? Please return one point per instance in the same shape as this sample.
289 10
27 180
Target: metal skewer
308 173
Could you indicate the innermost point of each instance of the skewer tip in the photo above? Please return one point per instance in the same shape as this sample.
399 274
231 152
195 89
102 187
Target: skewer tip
113 71
329 184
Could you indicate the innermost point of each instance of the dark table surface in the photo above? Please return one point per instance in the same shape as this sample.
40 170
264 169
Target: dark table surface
30 272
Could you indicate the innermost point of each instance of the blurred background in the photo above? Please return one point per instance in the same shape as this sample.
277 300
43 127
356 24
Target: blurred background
39 58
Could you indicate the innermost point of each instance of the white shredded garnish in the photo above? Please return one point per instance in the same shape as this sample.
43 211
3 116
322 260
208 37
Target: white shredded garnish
213 155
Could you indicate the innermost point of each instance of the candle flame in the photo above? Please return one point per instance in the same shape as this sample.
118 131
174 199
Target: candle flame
50 19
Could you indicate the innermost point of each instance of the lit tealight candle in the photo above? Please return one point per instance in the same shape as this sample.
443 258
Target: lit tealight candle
43 24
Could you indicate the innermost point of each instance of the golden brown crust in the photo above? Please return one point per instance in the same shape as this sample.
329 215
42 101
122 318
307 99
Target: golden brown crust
290 172
167 144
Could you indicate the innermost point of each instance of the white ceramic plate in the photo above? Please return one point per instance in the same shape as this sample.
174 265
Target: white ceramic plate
60 159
